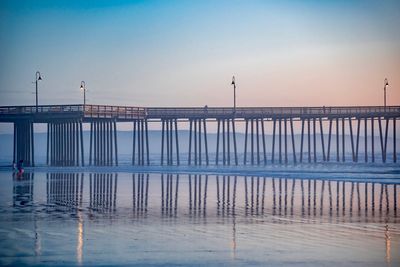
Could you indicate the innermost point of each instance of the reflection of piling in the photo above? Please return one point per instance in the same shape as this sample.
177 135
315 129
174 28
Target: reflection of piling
65 189
254 194
103 191
198 193
22 189
226 194
140 190
169 194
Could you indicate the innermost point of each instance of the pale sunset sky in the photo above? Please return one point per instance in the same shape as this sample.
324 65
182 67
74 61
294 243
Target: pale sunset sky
184 53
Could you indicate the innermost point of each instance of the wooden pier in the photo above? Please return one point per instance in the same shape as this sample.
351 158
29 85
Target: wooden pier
65 142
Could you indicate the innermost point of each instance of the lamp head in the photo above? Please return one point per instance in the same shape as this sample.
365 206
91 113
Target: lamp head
83 85
386 82
233 80
38 76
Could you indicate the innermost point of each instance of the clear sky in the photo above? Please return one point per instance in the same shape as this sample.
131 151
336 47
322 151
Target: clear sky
184 53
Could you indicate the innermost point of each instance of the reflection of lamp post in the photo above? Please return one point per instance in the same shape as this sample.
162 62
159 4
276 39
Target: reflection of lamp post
234 94
38 78
386 83
83 87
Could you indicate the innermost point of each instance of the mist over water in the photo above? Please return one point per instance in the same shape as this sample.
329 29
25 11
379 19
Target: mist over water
166 218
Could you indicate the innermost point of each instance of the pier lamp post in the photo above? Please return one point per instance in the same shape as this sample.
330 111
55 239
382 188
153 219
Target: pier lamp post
386 83
38 78
234 94
83 88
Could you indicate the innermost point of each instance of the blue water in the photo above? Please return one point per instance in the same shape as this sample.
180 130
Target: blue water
131 216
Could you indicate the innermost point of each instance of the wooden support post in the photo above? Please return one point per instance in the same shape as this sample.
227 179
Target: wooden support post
217 152
195 141
76 160
107 143
110 145
372 140
82 151
273 140
116 151
286 151
177 142
91 144
48 144
205 140
199 137
351 139
170 143
98 131
223 142
15 141
134 141
139 147
70 144
245 142
234 141
32 142
309 140
358 138
162 141
322 139
293 143
386 137
302 140
315 139
343 139
263 141
258 141
366 140
94 148
381 138
394 141
280 141
142 143
329 140
337 140
228 143
252 141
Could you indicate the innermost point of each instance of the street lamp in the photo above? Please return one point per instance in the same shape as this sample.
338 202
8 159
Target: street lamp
386 83
38 78
234 94
83 87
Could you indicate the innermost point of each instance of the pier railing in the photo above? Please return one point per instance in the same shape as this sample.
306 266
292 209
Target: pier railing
243 112
132 113
87 111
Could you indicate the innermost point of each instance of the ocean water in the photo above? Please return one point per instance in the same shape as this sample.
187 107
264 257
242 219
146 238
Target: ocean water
160 216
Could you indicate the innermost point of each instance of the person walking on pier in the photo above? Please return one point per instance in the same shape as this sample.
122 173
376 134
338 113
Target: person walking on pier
20 166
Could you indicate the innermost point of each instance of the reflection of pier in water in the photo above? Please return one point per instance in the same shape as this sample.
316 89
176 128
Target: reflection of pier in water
169 195
224 194
140 190
198 185
22 189
65 189
103 191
